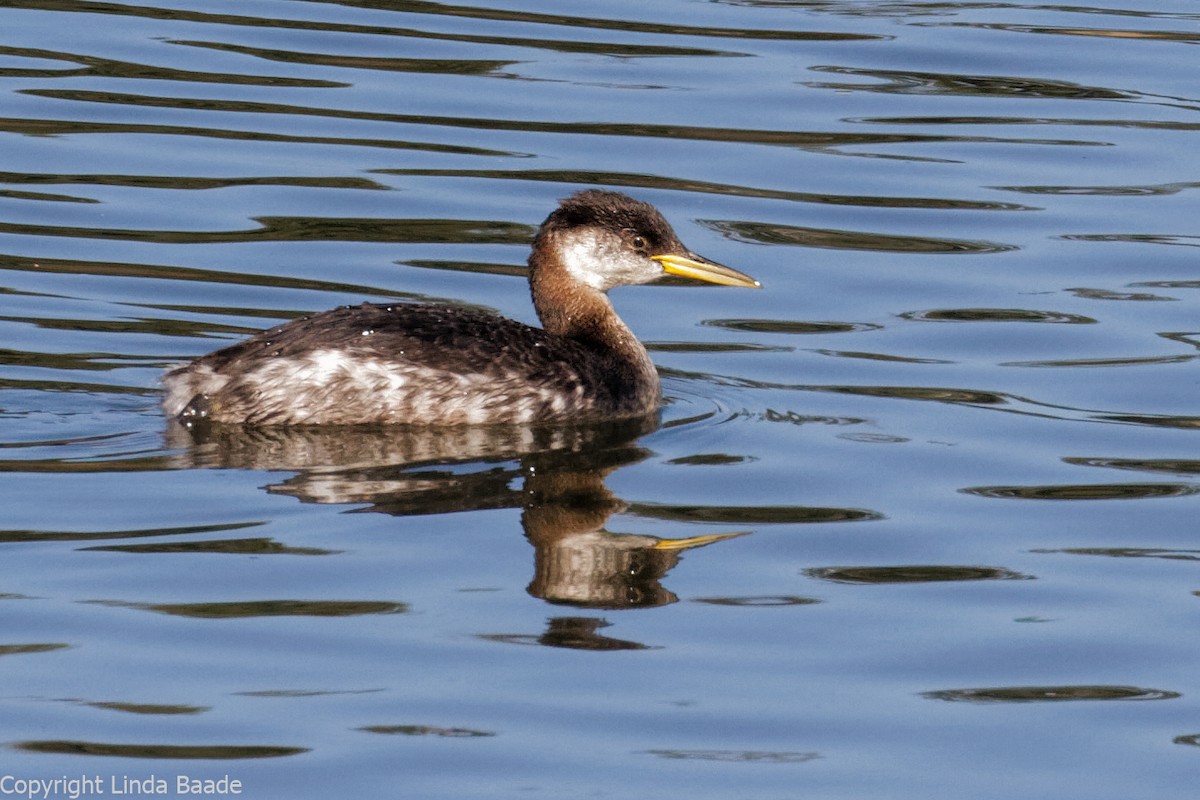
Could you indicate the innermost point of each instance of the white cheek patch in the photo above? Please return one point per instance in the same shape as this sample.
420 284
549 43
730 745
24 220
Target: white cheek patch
601 261
579 257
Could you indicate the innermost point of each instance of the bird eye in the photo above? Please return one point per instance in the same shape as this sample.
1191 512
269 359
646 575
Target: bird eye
638 242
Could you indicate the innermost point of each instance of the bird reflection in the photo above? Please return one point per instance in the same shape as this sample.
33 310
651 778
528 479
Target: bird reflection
555 474
577 562
574 633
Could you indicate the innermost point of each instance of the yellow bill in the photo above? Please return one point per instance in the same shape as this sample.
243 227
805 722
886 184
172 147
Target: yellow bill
701 269
694 541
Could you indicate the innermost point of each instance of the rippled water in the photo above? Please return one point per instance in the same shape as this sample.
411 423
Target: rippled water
918 520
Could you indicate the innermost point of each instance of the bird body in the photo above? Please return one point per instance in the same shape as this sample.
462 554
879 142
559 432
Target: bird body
424 364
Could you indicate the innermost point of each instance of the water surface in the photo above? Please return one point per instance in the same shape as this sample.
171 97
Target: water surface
917 519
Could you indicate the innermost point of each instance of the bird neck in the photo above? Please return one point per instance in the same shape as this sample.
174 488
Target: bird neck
572 309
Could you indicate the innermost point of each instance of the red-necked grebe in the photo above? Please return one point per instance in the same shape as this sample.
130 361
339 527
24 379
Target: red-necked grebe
442 365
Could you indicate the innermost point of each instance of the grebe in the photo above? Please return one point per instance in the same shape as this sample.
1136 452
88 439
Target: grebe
442 365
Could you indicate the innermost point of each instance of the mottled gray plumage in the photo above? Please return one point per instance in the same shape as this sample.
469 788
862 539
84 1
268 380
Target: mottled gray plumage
399 363
444 365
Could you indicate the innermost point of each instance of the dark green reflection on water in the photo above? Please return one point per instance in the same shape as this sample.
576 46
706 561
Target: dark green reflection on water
996 315
42 127
434 66
628 180
173 751
468 267
1090 293
118 269
1139 238
935 393
779 234
307 229
1101 362
737 756
1085 491
97 67
918 573
583 45
821 141
965 119
153 709
188 182
868 356
425 730
88 536
1051 694
266 608
249 546
1128 552
751 515
34 647
1157 421
601 23
788 326
571 633
713 347
1134 190
938 83
45 197
709 459
1105 33
1181 466
758 601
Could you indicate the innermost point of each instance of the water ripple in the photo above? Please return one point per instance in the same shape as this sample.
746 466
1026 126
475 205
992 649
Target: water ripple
179 173
996 315
1101 362
1051 694
1176 466
1127 552
265 608
780 138
633 180
779 234
750 515
737 756
1086 491
588 46
218 752
789 326
96 67
1104 33
426 730
937 83
915 573
758 601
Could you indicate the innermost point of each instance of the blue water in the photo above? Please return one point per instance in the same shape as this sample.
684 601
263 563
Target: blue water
918 519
